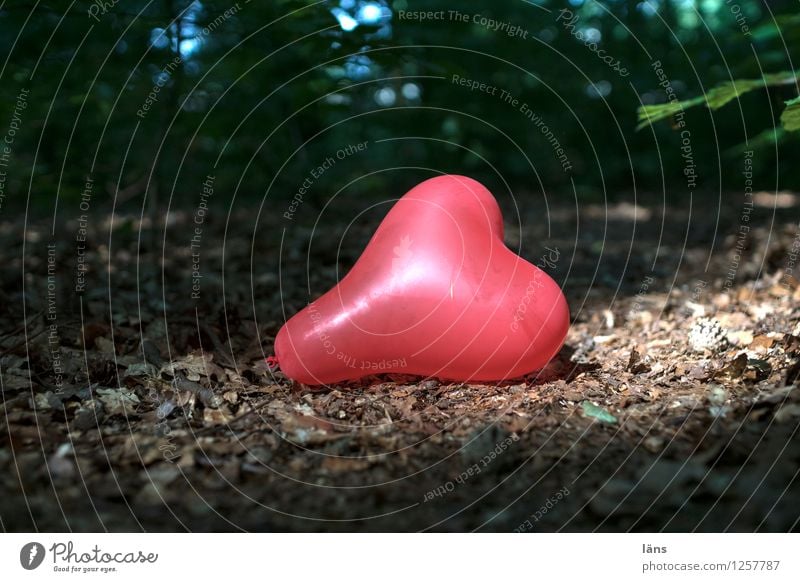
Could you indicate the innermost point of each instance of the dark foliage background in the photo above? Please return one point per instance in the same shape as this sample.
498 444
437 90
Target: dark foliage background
270 89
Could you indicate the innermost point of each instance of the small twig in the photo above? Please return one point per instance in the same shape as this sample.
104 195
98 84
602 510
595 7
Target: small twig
23 342
23 326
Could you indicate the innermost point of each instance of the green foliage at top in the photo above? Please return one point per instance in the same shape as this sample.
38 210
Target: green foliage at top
721 95
261 93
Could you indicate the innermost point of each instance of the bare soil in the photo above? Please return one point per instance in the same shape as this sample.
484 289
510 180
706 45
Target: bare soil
147 409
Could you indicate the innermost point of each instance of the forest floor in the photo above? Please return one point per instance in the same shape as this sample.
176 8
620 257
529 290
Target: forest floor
145 408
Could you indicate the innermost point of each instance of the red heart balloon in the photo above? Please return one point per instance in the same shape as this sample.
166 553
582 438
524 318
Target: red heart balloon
435 293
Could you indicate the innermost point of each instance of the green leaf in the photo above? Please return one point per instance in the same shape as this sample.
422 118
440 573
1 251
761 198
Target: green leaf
777 27
649 114
726 92
766 139
790 118
593 411
715 98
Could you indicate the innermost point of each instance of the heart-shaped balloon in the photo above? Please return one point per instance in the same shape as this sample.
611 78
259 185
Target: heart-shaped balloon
435 293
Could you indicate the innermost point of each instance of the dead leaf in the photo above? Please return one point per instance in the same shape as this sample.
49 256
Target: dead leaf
117 401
